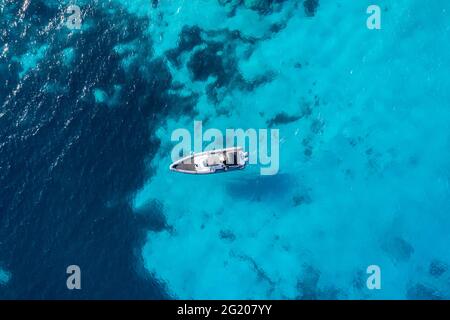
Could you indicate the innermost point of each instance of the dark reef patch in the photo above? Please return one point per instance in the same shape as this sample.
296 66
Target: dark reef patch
258 81
308 286
261 187
310 7
216 58
212 53
281 118
301 198
284 118
262 275
189 38
397 248
208 62
437 268
227 235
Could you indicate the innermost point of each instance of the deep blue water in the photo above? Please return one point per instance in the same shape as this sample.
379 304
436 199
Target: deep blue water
85 123
68 165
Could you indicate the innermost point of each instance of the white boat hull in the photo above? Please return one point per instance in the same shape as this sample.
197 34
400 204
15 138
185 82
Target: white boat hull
209 162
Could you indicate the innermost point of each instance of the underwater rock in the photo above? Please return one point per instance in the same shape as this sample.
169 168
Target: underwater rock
310 7
261 6
284 118
281 118
277 27
437 268
227 235
299 199
258 4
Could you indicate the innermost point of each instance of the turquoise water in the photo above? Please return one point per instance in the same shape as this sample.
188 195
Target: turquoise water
86 119
364 176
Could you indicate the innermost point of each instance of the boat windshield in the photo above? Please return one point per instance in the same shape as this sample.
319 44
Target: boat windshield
213 160
231 158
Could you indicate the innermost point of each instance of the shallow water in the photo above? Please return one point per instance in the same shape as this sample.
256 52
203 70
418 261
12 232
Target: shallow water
85 124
